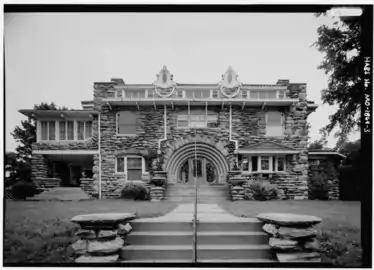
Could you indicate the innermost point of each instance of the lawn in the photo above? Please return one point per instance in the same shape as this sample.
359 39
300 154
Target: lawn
339 232
42 231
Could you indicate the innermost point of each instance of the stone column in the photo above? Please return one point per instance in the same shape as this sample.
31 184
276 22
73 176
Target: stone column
39 167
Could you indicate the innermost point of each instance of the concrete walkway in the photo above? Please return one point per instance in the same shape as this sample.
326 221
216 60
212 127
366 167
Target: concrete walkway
205 212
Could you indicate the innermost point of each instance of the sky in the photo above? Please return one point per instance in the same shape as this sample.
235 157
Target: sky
58 57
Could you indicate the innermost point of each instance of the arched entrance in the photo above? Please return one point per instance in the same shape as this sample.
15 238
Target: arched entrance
201 168
211 163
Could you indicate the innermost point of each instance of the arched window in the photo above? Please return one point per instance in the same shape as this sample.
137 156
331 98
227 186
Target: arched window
126 123
197 119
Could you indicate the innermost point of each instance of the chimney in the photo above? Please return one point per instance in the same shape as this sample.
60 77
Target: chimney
118 81
87 105
283 82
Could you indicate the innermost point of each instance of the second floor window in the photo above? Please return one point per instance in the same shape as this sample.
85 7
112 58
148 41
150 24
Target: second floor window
66 130
84 130
126 123
48 130
274 124
197 118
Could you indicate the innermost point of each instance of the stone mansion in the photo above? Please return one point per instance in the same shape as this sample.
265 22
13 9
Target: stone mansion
198 131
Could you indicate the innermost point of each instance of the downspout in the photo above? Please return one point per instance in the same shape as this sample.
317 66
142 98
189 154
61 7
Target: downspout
99 141
230 138
164 138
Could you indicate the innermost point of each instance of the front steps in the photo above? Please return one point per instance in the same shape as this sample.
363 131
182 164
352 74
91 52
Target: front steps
183 193
164 240
61 194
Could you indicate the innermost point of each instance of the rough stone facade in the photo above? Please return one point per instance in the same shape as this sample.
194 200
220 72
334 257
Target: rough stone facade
248 128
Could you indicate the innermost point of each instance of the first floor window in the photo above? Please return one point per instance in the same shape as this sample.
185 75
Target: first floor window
264 163
120 164
131 166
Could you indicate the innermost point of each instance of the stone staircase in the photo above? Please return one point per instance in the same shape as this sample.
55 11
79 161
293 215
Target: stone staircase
61 194
206 194
220 238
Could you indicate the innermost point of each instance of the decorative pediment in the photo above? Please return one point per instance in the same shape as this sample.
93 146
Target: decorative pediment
267 147
230 79
229 82
164 79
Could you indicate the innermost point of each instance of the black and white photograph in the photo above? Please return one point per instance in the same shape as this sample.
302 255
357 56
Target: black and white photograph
187 135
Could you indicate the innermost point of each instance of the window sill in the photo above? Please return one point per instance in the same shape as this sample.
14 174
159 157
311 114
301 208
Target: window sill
275 136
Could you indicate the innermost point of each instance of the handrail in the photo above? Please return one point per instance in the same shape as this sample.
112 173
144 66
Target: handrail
194 224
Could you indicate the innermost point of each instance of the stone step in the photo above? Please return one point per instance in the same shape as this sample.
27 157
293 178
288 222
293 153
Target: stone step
204 252
203 238
202 226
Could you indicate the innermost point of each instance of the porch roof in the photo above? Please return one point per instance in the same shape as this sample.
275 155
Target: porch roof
57 113
267 147
325 152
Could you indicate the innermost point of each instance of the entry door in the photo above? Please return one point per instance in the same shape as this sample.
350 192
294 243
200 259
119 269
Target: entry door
198 170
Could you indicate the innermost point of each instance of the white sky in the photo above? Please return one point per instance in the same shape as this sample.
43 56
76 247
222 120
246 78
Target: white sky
57 57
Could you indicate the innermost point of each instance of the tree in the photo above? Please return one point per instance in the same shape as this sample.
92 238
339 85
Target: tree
342 60
352 151
25 135
317 145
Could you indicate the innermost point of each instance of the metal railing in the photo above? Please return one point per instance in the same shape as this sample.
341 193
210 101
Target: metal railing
180 94
194 222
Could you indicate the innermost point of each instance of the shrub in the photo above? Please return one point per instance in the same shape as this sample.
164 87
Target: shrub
158 182
23 189
136 191
263 191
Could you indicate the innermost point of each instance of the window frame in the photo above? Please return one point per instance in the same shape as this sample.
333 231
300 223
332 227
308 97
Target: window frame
259 161
198 112
117 125
57 130
282 121
125 173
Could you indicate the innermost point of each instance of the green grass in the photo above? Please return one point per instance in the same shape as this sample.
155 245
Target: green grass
339 232
41 232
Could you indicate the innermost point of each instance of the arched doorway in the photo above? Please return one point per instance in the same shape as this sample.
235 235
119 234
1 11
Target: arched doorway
212 161
199 168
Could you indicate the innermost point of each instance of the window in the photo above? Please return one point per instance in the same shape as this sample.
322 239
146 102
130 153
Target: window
44 126
48 130
88 129
274 124
120 165
70 130
264 164
197 119
62 127
80 130
126 123
132 166
84 130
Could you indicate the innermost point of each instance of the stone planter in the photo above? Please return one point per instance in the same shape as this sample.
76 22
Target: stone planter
101 236
157 193
292 237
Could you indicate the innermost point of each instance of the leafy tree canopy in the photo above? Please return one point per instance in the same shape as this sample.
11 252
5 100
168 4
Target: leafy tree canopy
340 45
